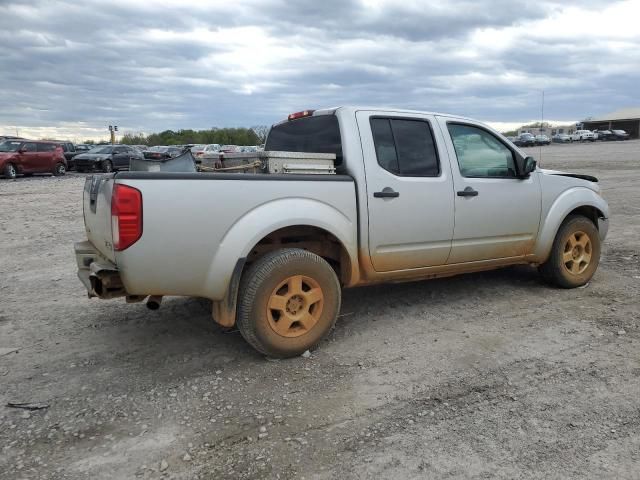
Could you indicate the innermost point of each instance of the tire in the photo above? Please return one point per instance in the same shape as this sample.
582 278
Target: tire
298 319
575 254
107 166
59 169
10 171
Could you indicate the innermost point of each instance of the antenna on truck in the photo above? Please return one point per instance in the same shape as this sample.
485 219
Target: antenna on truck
541 125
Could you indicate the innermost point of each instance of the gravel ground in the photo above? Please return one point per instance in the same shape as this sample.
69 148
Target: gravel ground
490 375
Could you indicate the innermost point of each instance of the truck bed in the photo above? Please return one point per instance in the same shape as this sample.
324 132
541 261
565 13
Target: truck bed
193 223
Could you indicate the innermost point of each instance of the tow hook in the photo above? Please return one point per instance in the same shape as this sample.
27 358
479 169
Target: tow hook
154 302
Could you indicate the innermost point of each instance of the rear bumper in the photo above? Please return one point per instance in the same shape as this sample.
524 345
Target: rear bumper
99 276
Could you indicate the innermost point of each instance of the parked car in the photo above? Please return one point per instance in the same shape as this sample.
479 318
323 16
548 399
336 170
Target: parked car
106 158
204 150
583 136
273 251
542 140
603 135
525 140
561 138
161 152
620 134
29 157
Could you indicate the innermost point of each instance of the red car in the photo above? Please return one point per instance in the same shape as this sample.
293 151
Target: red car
28 157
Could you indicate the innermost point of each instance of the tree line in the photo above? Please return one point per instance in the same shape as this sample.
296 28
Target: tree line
224 136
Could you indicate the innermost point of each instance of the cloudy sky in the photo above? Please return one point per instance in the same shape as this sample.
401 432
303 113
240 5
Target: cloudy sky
70 68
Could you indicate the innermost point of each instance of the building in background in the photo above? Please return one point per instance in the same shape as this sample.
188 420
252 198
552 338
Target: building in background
627 119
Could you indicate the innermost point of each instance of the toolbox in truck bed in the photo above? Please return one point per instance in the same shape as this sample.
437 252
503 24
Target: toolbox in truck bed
271 162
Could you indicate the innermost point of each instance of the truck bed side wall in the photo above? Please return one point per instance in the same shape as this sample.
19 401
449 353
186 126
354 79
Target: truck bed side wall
215 222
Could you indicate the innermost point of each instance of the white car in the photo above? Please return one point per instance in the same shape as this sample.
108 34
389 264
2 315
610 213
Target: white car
583 136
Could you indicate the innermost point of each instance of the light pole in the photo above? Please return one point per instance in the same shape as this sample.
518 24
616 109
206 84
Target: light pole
112 130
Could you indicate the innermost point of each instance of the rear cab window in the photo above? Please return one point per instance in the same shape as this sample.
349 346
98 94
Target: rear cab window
315 134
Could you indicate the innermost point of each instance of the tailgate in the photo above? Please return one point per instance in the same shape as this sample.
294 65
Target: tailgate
97 213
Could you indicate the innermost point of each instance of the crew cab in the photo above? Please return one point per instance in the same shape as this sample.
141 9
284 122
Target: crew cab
415 196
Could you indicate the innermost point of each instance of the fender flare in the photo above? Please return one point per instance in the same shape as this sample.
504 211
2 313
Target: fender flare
566 203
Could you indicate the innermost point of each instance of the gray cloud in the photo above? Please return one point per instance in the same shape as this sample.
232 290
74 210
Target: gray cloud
147 66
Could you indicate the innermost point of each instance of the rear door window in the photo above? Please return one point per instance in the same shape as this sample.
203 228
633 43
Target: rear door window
405 147
319 134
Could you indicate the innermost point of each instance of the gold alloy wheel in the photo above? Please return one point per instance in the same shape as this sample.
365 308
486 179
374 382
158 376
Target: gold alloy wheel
295 306
576 256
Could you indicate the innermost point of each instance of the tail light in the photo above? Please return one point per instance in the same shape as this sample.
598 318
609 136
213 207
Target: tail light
126 216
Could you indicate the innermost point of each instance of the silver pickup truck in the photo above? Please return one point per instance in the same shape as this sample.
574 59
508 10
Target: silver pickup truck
415 196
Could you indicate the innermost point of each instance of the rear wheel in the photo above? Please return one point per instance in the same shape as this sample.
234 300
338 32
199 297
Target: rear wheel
575 254
59 169
107 166
289 300
10 171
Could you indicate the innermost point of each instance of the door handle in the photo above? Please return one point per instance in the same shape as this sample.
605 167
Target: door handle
386 192
468 192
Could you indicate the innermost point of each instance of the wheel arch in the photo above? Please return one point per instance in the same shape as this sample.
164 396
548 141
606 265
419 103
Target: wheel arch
286 223
575 201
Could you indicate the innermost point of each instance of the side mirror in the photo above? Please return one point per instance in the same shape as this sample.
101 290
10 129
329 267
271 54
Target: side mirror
529 166
22 150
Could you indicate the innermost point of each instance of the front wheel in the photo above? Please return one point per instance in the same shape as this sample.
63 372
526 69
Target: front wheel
575 254
289 300
59 169
107 166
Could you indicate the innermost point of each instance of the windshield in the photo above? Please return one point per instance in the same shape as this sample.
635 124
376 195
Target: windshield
9 146
107 149
619 132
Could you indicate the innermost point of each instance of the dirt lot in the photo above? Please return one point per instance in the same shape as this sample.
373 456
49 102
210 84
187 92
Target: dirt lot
489 375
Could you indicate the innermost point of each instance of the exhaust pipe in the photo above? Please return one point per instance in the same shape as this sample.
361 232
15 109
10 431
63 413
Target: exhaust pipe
154 302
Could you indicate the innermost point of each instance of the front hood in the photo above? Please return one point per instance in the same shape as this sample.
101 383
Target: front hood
92 156
580 176
4 155
573 179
